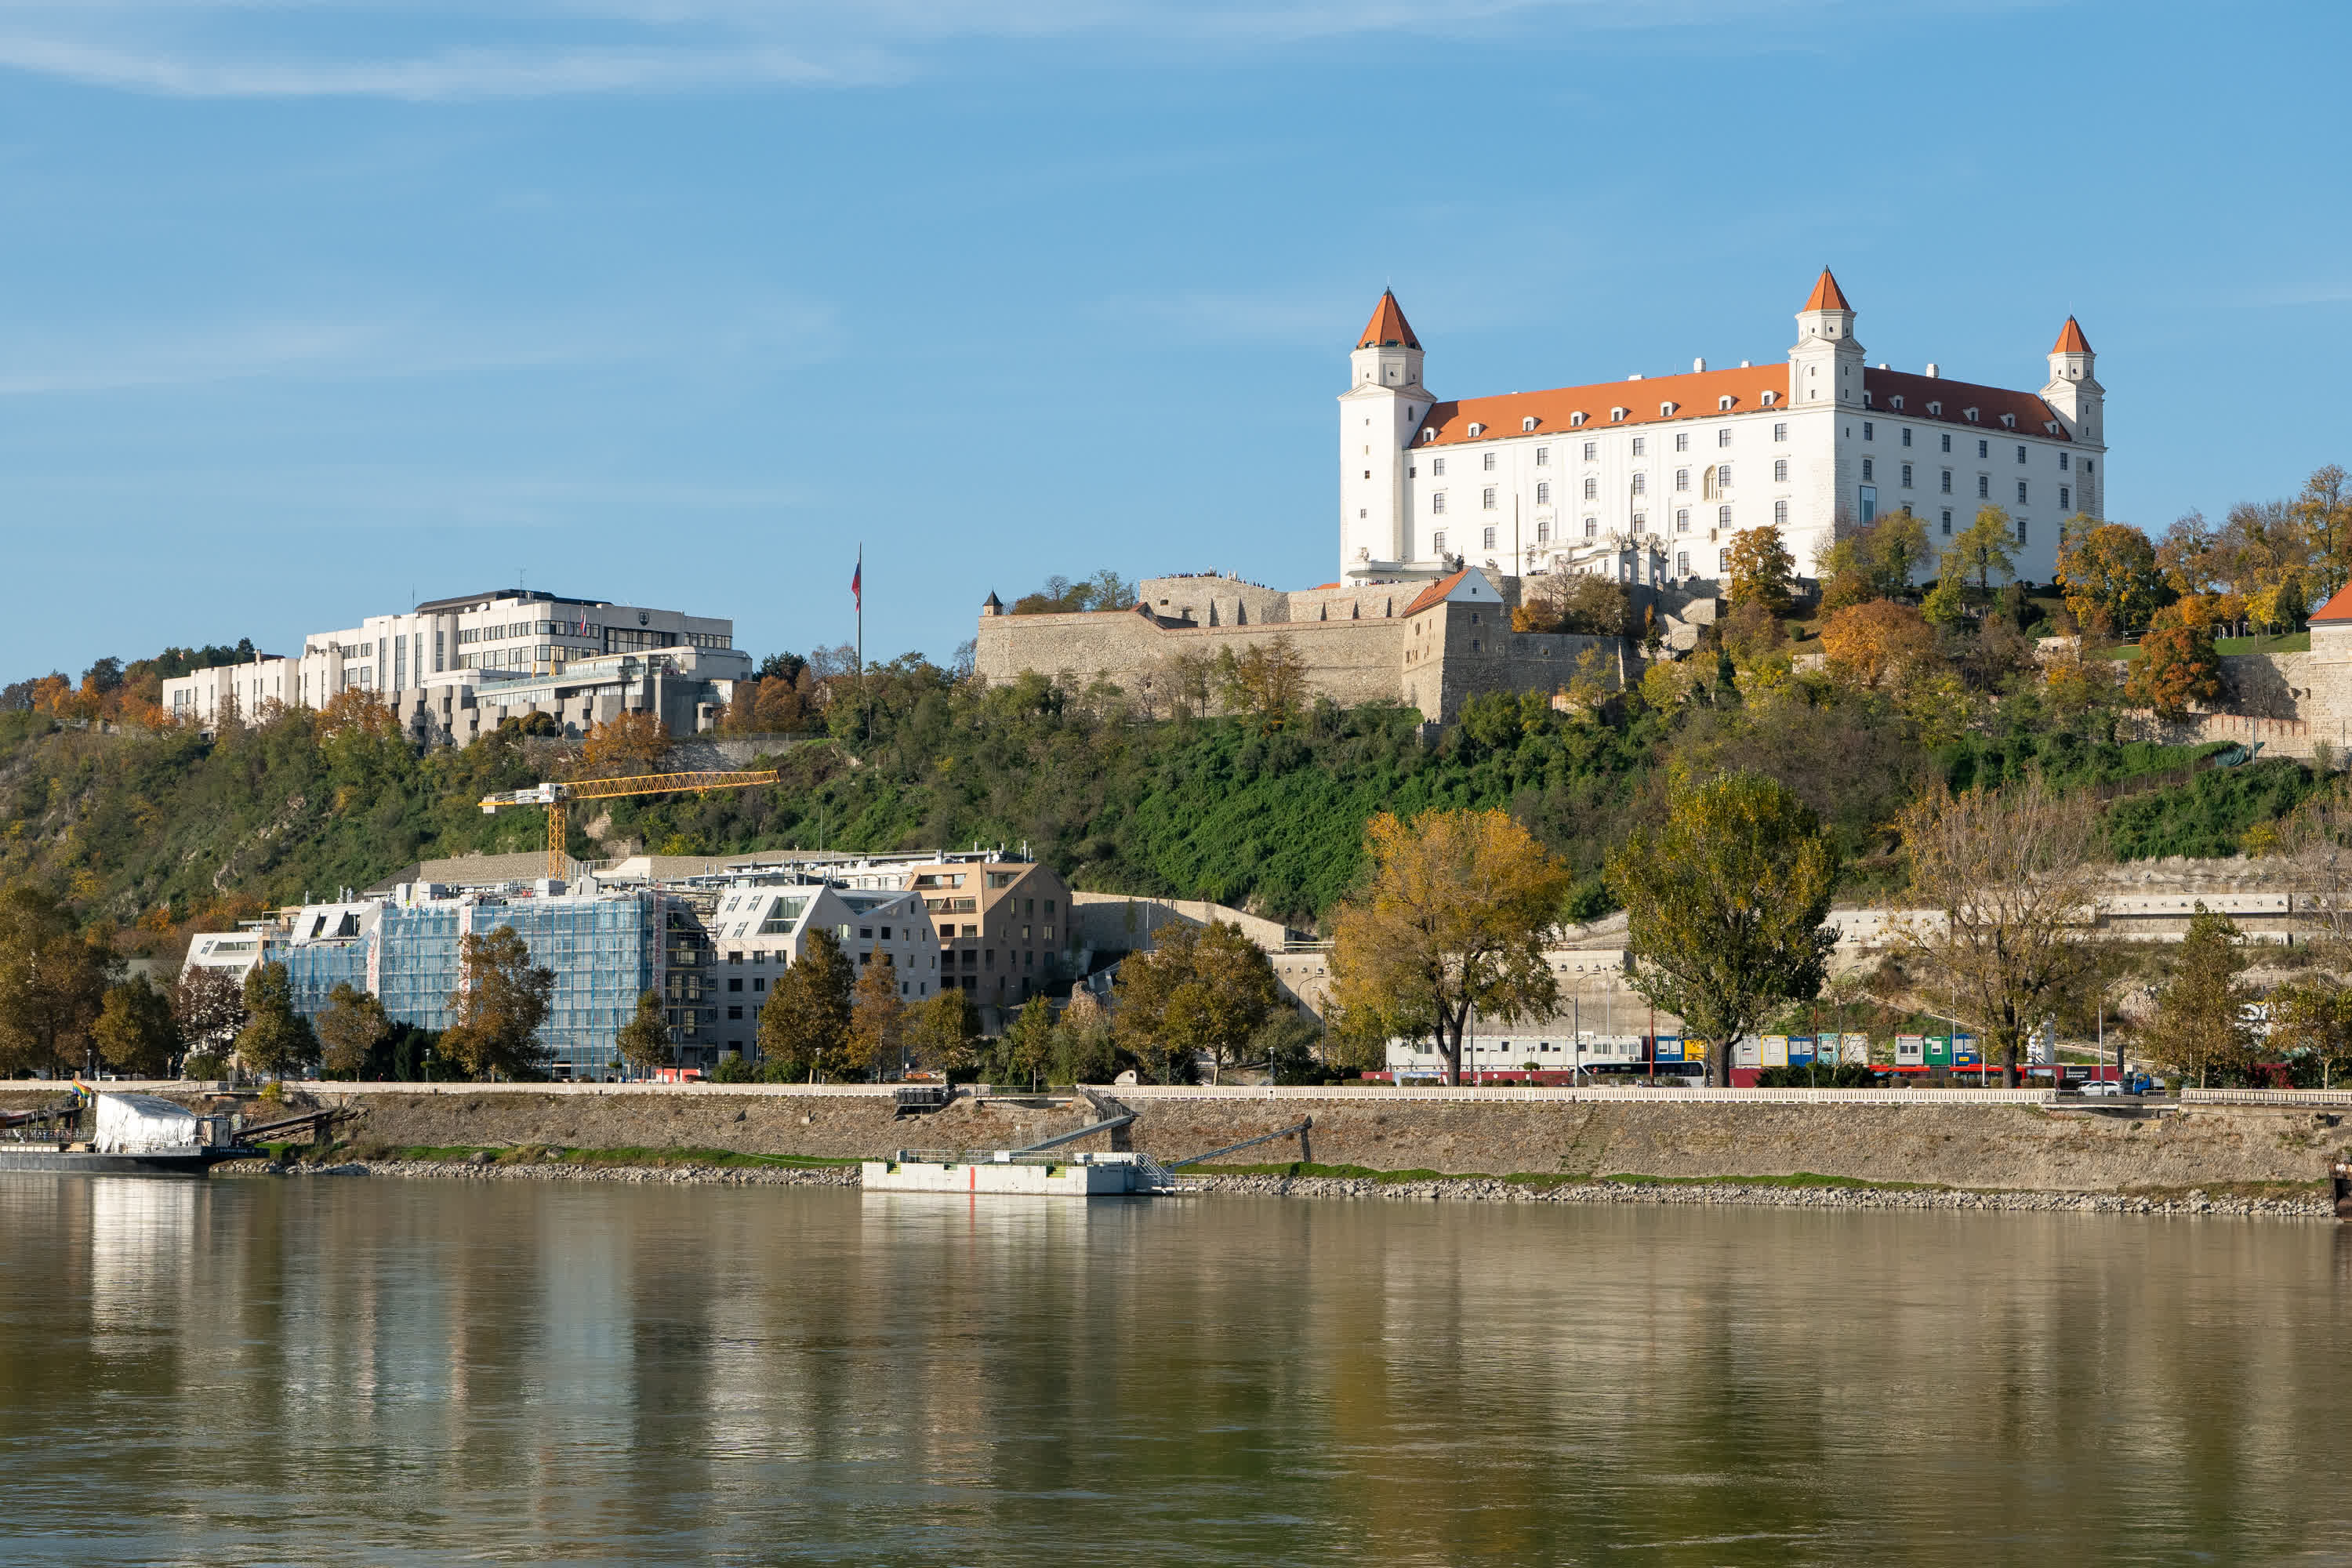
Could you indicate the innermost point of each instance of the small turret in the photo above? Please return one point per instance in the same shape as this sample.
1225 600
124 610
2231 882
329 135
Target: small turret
991 605
1826 364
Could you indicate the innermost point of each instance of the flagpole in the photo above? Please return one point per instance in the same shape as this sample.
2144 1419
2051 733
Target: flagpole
866 721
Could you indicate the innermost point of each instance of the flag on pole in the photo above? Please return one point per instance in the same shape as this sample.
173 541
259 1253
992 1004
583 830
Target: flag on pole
857 583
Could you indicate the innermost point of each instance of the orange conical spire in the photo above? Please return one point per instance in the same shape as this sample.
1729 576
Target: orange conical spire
1827 295
1388 329
2071 339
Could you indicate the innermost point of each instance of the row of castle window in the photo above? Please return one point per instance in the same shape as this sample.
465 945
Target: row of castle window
1984 485
1984 447
1715 480
1488 461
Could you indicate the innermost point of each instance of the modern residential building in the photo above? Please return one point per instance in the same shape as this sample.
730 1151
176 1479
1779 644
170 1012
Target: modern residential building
1647 478
452 668
760 923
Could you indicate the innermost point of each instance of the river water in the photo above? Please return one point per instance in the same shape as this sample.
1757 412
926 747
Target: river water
381 1371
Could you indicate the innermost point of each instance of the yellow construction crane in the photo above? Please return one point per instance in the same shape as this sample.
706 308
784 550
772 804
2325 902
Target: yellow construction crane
553 794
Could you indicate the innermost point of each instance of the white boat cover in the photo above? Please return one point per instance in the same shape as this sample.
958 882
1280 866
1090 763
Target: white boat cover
143 1125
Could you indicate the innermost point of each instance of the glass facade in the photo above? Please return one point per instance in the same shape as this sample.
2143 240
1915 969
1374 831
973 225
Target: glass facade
604 951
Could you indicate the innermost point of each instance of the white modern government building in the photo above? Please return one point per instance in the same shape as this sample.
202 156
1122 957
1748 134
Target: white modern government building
451 669
1648 479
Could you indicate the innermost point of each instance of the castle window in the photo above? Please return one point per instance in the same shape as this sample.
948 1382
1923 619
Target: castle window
1429 435
1780 470
1682 520
1984 487
1723 478
1682 478
1667 410
1641 521
1682 440
2020 454
1641 446
1770 398
2021 492
1488 465
2020 526
1984 451
1543 534
1906 476
2066 498
1869 431
1436 467
1780 514
1723 437
1476 430
1543 457
1723 517
1489 542
2087 465
2009 421
1936 408
1591 487
1906 435
1437 542
1896 403
1867 474
1437 503
1723 561
1779 432
1617 416
1948 522
1487 498
1681 562
1543 492
2062 458
1969 414
1591 450
1948 440
1591 528
1577 418
1528 423
1641 484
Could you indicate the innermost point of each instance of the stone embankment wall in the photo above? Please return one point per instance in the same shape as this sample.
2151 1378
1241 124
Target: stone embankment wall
1999 1146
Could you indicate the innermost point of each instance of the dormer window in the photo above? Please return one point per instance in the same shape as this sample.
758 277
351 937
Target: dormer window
1722 405
1866 402
2050 427
1770 398
1896 403
2009 421
1528 423
1617 416
1969 414
1430 434
1576 419
1936 409
1476 430
1667 410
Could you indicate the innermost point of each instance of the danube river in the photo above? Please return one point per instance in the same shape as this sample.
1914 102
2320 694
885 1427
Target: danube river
374 1370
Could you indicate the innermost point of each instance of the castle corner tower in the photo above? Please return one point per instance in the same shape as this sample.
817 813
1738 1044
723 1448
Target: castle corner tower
1383 406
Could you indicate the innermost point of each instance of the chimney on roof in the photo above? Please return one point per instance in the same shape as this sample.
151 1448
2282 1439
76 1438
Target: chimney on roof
1635 376
1697 365
1934 370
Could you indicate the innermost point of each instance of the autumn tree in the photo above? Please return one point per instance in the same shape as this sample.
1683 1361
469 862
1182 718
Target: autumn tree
2110 577
643 1041
804 1027
500 1002
878 1019
2315 846
628 742
1085 1046
355 710
52 983
210 1006
2177 665
1986 547
276 1038
1580 603
1725 904
2006 879
2312 1018
349 1027
1450 923
1200 990
1761 568
1876 561
1267 681
135 1030
943 1030
2200 1019
1877 644
2324 512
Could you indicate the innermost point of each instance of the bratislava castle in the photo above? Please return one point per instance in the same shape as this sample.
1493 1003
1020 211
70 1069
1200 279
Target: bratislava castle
1648 479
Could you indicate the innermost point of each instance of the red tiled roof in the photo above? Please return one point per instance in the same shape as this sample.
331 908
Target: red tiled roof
2071 339
2034 416
1319 587
1696 394
1435 593
1826 295
2338 610
1388 328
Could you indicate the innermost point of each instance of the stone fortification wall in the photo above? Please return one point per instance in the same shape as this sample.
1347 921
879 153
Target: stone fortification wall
1973 1145
1351 662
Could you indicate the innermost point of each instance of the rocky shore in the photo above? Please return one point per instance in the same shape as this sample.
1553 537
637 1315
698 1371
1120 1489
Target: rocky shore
559 1171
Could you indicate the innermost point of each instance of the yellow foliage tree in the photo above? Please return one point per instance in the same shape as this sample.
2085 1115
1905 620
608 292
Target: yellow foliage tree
1761 569
1877 644
628 742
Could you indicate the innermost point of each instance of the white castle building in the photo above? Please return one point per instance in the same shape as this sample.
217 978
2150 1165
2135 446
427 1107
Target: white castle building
1648 479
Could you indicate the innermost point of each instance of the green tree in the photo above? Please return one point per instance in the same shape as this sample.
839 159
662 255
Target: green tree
1451 922
52 983
1946 603
276 1038
2110 577
1200 991
1875 562
1986 547
136 1032
1287 1043
942 1031
349 1027
2199 1021
1761 567
2324 512
2314 1018
1085 1050
1028 1048
644 1040
804 1027
1267 681
878 1019
1724 903
500 1001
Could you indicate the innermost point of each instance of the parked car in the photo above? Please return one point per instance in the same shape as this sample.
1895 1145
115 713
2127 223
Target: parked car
2097 1086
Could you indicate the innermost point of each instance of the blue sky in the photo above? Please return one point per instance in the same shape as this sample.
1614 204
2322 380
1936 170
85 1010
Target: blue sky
311 308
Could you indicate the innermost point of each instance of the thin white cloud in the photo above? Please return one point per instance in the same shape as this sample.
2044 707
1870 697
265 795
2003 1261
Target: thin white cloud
519 49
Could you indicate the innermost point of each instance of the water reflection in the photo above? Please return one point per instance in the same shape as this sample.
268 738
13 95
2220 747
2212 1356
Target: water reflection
378 1371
